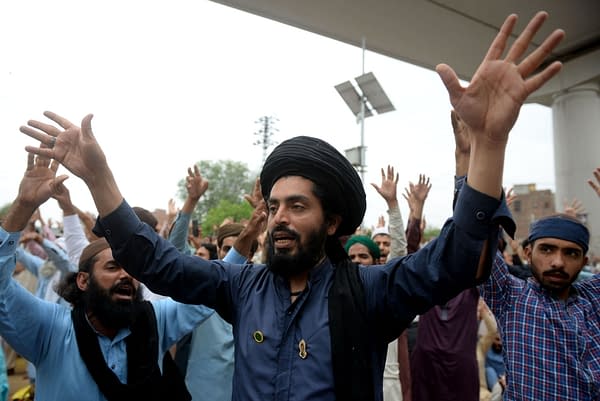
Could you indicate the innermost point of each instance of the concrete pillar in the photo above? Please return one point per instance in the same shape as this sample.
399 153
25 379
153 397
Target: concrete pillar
576 118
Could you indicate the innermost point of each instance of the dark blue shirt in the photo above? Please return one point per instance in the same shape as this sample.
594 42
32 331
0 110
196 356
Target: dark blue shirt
283 350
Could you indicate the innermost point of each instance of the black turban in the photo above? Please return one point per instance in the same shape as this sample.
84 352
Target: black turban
318 161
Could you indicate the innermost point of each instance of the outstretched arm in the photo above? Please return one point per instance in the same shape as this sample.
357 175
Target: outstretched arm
388 191
490 104
196 186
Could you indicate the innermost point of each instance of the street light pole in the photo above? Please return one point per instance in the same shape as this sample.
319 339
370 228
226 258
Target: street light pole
371 99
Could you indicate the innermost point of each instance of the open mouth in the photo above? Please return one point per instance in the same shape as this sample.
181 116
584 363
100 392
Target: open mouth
124 290
282 239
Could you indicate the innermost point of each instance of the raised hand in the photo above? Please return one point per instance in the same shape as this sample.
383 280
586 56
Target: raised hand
73 147
574 208
511 197
76 149
171 210
63 197
490 104
37 185
416 194
388 187
195 184
255 197
596 185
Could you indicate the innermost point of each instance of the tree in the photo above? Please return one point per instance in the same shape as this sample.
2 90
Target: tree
225 209
228 180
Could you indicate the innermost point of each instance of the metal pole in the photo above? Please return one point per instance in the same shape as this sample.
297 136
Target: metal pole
362 119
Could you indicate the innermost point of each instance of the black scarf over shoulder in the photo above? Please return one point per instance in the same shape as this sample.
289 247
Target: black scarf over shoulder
144 379
348 326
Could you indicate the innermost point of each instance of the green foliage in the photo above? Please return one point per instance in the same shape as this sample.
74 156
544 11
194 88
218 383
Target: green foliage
227 180
431 233
4 210
225 209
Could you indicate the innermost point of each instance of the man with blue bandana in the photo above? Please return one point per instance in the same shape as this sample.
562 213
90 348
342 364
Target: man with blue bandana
550 324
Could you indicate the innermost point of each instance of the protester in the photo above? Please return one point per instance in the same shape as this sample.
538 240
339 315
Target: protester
310 325
205 356
551 320
393 238
110 344
444 361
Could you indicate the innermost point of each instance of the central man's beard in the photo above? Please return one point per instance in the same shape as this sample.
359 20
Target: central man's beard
111 313
306 255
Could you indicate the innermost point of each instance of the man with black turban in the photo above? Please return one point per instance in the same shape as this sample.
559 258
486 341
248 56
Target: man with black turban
310 325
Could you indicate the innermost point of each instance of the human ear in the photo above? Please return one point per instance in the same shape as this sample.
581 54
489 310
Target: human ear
333 222
82 280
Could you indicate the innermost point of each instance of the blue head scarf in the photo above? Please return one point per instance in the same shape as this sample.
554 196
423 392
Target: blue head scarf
563 227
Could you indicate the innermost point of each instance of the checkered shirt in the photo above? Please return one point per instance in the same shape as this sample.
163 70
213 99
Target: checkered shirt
551 347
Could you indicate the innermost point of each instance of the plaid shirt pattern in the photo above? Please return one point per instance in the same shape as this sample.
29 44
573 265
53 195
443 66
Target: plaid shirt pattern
551 347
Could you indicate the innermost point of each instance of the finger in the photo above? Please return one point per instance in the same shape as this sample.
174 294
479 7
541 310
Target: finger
536 81
47 128
190 173
54 165
44 152
537 57
30 159
499 44
86 126
37 135
56 184
63 122
520 45
450 80
196 170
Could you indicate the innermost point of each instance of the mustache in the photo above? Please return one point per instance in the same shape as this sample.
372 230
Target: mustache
122 283
283 229
556 272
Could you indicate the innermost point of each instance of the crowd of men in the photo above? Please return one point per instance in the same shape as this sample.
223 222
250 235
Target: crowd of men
295 305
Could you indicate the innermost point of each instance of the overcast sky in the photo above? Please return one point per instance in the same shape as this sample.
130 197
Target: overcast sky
174 82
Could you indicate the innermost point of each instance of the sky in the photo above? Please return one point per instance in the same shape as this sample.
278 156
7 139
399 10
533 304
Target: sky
171 83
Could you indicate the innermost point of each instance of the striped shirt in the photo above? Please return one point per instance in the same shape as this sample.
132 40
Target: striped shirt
551 347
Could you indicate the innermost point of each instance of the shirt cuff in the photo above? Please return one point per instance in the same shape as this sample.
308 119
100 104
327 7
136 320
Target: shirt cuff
234 257
118 226
476 211
9 242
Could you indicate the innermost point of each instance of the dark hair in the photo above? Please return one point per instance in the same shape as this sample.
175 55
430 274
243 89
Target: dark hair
212 250
67 287
146 216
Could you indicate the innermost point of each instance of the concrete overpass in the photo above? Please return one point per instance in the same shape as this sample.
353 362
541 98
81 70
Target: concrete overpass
458 32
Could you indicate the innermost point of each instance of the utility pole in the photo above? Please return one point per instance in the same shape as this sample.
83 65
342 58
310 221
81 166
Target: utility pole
265 133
